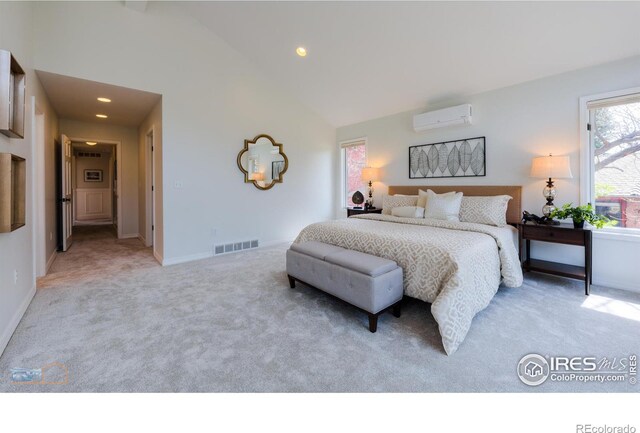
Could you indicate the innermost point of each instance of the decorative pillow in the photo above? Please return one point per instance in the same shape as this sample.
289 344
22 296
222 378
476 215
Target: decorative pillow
391 201
422 197
443 206
408 212
491 210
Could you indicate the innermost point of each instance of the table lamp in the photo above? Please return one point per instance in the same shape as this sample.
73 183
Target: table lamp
550 168
369 175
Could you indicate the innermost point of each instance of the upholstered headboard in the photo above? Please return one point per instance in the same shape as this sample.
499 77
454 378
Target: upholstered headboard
514 208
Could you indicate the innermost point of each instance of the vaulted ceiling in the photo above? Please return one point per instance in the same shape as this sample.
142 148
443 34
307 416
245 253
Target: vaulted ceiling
371 59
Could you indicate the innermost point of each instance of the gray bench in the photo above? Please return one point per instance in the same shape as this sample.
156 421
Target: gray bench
370 283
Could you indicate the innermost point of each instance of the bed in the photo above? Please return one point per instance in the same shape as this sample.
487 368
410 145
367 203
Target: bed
456 266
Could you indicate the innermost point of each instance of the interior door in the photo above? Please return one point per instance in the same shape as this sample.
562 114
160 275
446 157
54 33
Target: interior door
67 195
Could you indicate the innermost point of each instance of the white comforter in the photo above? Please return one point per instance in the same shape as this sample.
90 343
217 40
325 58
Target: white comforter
455 266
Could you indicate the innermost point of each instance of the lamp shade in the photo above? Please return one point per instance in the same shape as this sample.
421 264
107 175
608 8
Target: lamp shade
258 176
369 174
553 167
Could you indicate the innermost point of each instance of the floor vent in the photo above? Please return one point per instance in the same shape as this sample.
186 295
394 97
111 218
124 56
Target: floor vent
235 247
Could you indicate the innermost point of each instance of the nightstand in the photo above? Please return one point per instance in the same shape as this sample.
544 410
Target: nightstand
352 211
559 234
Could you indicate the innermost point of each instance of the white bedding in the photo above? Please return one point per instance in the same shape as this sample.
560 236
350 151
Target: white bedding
455 266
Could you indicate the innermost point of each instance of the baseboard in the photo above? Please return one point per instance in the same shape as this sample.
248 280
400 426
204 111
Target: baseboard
618 284
209 254
274 243
189 258
142 239
15 320
52 259
158 256
129 236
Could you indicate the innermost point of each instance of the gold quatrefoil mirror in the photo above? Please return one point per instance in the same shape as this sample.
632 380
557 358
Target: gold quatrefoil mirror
263 162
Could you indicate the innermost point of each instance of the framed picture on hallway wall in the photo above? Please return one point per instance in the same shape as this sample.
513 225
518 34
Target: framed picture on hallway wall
93 175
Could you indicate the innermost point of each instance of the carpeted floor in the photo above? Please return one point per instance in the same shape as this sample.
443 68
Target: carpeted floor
118 321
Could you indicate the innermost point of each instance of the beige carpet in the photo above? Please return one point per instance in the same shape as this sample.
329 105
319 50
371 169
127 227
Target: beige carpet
118 321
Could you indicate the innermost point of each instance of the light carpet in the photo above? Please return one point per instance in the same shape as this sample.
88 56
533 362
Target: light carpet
118 321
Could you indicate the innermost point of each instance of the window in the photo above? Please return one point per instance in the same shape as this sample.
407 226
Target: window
354 159
614 158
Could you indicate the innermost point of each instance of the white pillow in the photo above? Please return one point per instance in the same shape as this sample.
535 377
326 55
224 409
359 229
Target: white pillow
408 212
422 197
443 206
391 201
491 210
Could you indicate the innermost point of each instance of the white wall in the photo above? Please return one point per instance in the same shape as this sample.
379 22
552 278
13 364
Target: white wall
17 248
128 161
519 122
213 99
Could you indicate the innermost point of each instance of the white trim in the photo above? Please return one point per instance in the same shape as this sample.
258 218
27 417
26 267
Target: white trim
273 243
15 320
189 258
209 254
38 188
353 142
616 236
586 166
129 236
617 284
150 181
50 261
158 257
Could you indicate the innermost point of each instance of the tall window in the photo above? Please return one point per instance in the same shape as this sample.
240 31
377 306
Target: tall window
354 159
614 126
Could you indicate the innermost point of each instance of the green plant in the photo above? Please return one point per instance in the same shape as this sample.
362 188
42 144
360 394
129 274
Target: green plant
582 213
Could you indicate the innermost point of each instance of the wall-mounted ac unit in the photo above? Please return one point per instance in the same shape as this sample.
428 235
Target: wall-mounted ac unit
458 115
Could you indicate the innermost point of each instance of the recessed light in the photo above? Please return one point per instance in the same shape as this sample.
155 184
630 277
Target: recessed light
301 51
102 116
91 143
104 99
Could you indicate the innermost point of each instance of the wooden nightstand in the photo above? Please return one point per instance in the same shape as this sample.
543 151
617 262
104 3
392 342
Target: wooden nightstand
352 211
559 234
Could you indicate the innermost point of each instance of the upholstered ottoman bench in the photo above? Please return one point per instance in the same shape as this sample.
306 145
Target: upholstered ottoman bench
370 283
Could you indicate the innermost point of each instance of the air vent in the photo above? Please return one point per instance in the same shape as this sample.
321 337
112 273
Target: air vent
89 155
235 247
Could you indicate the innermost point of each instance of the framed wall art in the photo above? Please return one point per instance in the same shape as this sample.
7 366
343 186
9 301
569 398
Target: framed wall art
93 175
460 158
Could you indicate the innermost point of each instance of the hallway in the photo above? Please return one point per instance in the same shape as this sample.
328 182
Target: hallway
96 251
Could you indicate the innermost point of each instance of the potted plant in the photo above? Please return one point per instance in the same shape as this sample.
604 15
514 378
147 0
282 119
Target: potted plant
580 214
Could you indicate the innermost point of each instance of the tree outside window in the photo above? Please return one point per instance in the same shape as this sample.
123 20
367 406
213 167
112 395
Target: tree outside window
616 142
355 160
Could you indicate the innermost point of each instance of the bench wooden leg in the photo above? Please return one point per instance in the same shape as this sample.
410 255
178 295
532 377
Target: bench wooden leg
373 322
292 282
397 309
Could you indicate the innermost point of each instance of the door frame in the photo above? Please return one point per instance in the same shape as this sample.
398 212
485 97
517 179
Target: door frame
150 181
118 146
39 194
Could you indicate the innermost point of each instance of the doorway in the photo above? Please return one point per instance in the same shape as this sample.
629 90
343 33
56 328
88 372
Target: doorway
96 191
149 237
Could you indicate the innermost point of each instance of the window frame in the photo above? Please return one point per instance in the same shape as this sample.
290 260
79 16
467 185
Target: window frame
342 145
587 167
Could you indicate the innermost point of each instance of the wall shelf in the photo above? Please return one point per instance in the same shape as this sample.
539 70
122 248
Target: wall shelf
12 96
13 171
